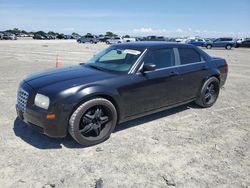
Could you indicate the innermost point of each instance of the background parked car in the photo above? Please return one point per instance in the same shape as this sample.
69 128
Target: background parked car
115 40
38 37
103 39
129 39
243 43
72 36
88 38
227 43
241 40
75 36
1 36
60 36
155 38
196 41
52 37
68 36
9 36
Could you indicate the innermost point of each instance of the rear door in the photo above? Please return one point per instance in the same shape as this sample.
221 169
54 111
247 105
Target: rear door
217 43
200 42
192 69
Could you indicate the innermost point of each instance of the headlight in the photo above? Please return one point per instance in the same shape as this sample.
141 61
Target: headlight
42 101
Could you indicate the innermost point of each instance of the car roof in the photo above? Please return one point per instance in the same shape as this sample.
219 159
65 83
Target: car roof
152 44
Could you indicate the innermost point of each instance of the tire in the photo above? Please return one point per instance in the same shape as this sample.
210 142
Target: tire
208 96
228 47
86 117
209 46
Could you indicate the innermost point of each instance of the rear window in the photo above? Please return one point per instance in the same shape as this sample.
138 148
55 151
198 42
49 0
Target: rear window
188 55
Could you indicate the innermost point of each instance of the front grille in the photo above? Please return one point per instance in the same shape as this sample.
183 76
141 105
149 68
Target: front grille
22 97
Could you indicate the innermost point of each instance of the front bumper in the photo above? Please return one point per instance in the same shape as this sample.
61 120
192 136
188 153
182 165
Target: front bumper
53 128
36 117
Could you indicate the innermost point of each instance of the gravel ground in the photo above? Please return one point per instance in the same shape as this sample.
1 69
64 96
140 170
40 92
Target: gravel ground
182 147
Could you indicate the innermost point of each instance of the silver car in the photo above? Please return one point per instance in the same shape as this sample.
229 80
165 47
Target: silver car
115 40
88 38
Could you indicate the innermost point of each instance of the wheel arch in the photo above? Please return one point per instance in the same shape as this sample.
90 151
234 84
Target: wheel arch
214 74
83 97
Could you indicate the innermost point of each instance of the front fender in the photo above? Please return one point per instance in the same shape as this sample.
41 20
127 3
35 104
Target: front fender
84 94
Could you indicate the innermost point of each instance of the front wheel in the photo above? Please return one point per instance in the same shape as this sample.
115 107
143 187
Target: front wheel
228 47
209 93
93 121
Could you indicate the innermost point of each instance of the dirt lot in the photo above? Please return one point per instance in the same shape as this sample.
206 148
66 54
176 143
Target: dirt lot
183 147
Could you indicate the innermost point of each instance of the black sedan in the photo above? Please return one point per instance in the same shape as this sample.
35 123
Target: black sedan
121 83
244 43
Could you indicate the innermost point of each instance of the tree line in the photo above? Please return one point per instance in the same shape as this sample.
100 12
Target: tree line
17 31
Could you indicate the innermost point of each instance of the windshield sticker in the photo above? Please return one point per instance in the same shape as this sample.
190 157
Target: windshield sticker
133 52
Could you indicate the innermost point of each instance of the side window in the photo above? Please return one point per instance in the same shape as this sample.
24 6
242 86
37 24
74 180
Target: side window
188 55
161 58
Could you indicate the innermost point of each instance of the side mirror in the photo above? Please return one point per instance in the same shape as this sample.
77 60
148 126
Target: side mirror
148 67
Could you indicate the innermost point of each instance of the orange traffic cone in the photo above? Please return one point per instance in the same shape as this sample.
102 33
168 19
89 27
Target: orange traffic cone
58 62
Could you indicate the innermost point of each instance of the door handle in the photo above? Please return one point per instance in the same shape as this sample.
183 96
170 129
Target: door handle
173 73
205 67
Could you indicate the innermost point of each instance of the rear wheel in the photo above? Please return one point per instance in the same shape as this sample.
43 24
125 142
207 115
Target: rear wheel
209 93
209 46
93 121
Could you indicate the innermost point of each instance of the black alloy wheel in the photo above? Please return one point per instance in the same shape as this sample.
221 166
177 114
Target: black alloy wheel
209 93
93 121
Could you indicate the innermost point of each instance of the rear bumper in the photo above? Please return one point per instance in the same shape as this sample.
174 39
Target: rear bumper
37 120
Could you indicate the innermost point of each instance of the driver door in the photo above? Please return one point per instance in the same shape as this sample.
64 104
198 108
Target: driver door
152 90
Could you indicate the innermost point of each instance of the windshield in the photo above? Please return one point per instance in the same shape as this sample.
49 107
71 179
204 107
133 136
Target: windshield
114 59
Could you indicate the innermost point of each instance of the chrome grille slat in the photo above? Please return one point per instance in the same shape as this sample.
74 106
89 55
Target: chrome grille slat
22 98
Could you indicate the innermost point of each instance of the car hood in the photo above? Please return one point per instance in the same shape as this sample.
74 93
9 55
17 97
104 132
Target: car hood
70 75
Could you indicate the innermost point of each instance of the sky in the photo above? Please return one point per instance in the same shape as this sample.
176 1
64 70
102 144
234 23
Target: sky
173 18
